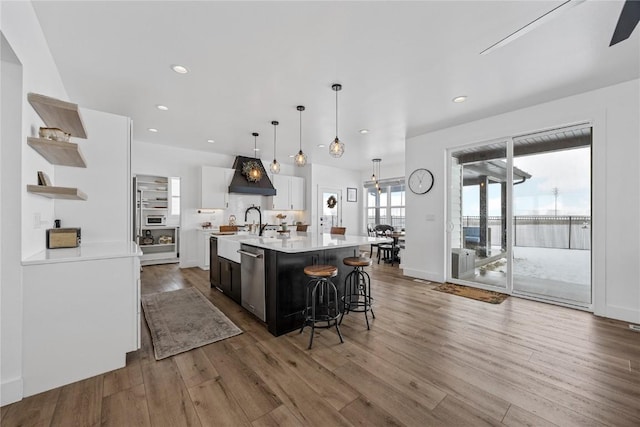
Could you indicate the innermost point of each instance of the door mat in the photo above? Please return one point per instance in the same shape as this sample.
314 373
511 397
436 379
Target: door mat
183 320
473 293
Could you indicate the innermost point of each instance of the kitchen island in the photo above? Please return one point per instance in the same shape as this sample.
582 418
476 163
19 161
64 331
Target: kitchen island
280 274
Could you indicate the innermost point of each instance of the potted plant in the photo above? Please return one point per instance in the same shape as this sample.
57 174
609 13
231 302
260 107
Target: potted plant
283 224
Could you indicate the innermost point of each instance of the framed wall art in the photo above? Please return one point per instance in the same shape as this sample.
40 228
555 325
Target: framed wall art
352 194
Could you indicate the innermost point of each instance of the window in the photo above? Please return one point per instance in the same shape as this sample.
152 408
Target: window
388 205
174 191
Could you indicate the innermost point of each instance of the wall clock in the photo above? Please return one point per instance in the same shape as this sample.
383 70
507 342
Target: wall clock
421 181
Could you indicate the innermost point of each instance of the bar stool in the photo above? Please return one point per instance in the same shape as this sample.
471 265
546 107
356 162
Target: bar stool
357 288
321 299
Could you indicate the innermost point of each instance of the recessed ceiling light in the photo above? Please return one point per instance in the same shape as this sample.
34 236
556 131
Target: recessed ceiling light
210 141
162 107
256 149
152 130
459 99
364 131
320 145
291 156
180 69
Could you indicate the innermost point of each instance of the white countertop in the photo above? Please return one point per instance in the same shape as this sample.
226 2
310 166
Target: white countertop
294 242
85 252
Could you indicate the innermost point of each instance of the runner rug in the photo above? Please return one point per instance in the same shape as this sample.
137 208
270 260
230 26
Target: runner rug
473 293
183 320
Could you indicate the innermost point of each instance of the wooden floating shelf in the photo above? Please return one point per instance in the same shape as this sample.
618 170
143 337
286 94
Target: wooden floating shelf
58 114
57 192
58 152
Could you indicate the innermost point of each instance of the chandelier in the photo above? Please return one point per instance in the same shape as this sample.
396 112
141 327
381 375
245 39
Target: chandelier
376 178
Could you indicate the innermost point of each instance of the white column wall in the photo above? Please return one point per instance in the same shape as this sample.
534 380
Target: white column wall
22 30
106 214
614 112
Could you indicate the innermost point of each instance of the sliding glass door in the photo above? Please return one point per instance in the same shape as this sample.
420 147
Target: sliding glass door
552 216
479 214
520 215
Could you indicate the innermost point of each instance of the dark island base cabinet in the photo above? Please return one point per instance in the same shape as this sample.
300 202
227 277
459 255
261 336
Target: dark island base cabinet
230 279
286 284
214 263
224 274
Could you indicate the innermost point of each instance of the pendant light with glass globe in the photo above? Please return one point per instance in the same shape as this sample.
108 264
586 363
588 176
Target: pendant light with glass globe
300 158
336 148
275 166
252 169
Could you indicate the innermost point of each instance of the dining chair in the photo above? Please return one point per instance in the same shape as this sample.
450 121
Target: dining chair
300 227
372 233
338 230
385 250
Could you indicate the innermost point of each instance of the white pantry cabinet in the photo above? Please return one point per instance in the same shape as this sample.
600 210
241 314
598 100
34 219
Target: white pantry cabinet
215 187
290 193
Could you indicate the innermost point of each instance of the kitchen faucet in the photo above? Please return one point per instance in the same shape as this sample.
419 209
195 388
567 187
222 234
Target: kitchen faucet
260 227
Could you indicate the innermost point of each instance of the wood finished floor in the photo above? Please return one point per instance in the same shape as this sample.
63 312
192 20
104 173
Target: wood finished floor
429 359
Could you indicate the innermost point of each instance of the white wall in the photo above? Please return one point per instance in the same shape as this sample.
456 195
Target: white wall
22 30
614 112
10 269
327 176
106 214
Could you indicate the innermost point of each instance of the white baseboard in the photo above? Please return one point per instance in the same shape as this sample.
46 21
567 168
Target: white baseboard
621 313
11 391
188 263
421 274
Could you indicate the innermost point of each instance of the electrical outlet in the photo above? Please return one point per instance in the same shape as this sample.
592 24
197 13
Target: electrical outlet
36 220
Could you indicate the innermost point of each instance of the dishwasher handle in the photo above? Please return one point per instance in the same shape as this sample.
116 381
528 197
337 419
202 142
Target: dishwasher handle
251 254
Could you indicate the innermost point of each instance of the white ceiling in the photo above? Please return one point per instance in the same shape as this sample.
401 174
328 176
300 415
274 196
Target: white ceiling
400 64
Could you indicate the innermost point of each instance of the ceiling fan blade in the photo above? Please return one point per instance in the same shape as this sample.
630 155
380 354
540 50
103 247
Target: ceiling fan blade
627 22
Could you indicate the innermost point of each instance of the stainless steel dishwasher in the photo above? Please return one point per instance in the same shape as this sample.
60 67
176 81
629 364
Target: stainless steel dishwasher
252 280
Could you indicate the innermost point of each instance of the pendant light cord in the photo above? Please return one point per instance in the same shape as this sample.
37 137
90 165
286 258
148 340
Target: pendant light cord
255 146
274 141
300 130
336 114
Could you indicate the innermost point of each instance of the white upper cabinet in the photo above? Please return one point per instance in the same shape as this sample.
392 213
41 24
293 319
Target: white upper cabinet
296 193
215 187
281 200
290 193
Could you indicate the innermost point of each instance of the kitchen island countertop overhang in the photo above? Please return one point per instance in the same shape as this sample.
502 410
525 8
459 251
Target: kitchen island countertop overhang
297 241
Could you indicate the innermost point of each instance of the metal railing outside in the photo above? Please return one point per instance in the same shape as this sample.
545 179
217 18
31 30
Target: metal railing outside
540 231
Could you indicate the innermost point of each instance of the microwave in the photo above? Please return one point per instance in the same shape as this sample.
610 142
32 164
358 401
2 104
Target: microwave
155 220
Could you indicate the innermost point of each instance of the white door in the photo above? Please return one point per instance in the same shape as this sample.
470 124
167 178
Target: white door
329 209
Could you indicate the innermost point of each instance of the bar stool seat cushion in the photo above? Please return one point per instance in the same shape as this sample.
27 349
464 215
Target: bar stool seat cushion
321 270
357 261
